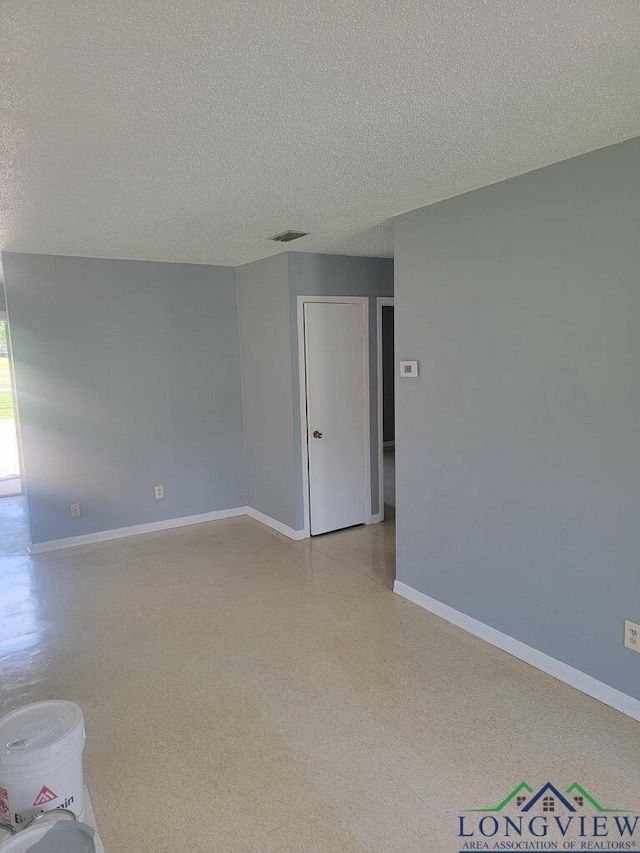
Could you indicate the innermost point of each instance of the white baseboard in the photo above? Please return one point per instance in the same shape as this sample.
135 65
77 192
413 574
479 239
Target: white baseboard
374 519
168 524
297 535
562 671
134 530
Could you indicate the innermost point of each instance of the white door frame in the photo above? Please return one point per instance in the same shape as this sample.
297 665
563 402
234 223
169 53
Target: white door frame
381 301
4 317
304 427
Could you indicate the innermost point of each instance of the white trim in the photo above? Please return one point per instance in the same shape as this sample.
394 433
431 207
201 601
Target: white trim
169 524
374 519
381 301
304 449
134 530
4 318
304 428
275 525
562 671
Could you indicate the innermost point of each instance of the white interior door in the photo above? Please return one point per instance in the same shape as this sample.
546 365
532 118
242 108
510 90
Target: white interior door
336 377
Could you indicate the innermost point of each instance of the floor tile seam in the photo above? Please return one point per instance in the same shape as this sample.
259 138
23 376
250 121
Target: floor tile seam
353 568
400 779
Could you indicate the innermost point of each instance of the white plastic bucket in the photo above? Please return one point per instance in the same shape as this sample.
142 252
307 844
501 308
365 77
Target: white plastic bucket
41 761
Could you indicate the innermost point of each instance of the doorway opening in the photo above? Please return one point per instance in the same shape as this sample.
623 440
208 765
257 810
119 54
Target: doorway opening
386 409
336 364
10 468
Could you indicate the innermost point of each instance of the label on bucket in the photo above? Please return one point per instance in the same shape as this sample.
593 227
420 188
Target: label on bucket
45 796
60 788
4 805
25 815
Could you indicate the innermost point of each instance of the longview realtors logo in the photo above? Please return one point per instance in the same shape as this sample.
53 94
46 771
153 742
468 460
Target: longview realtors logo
549 819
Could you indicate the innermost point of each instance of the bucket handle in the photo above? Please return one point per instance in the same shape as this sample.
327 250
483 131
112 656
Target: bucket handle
71 814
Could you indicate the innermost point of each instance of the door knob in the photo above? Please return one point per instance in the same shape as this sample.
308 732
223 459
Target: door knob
317 433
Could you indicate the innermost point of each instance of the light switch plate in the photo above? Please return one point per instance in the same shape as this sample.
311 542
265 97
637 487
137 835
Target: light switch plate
408 369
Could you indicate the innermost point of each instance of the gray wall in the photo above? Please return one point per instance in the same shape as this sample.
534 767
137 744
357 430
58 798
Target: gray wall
338 275
263 303
388 375
128 375
267 302
517 449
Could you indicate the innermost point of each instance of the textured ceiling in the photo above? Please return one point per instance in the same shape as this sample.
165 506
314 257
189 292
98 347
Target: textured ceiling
191 130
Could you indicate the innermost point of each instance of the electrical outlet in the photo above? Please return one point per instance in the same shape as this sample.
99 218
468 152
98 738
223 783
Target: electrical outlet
631 635
75 510
159 492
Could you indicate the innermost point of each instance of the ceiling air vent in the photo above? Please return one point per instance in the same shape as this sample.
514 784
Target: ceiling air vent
288 236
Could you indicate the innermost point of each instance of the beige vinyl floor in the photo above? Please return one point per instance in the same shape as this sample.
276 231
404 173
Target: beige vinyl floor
243 692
